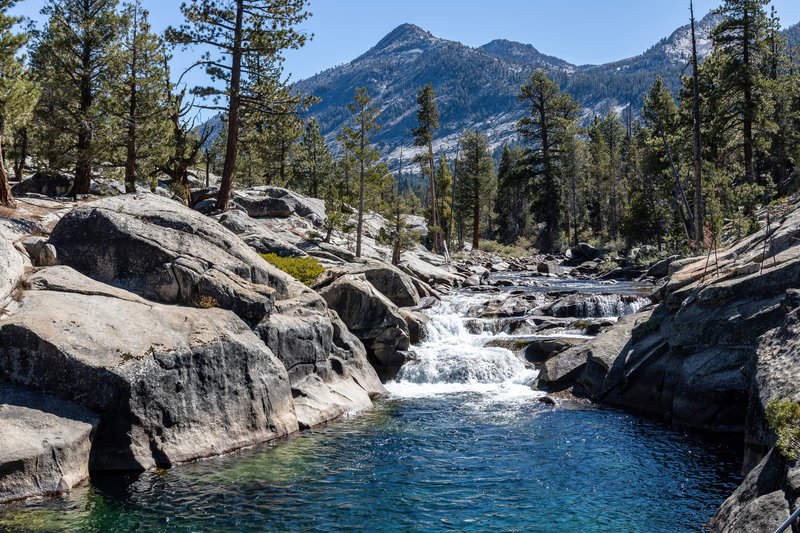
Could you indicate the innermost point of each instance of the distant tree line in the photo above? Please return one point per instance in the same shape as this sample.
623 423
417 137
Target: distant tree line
97 96
674 173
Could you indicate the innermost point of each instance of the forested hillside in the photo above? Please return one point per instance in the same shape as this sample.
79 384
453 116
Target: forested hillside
477 87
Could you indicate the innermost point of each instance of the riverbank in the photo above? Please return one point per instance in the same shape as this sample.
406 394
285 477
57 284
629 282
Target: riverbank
137 333
472 450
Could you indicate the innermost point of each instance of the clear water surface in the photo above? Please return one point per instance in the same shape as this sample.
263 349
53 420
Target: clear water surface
461 444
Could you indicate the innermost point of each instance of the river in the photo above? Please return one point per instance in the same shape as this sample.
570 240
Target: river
460 444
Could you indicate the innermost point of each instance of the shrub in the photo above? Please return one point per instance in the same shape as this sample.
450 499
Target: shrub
783 417
503 250
303 269
204 302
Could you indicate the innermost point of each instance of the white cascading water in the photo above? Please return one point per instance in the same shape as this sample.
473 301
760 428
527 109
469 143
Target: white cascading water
604 306
612 305
453 360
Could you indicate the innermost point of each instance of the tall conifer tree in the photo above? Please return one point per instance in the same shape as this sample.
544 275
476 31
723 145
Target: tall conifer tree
18 95
78 57
247 37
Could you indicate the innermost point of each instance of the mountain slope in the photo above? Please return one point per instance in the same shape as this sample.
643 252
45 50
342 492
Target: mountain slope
472 86
793 34
477 88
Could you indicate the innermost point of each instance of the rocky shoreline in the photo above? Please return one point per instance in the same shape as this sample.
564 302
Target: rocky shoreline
717 347
137 333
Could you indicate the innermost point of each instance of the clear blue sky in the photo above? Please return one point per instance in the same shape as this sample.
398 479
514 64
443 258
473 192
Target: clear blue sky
579 31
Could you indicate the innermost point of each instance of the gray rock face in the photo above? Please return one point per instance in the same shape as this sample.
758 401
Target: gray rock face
373 318
44 444
661 268
257 235
327 366
427 272
12 267
171 384
44 182
549 267
261 205
270 201
168 252
777 363
585 252
762 501
40 251
392 282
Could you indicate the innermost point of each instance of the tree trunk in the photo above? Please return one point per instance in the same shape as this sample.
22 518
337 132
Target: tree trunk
6 199
361 178
83 167
130 161
476 222
434 218
360 211
187 196
232 147
698 161
208 168
551 208
19 169
748 103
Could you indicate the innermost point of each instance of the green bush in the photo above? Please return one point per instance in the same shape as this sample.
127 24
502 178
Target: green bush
783 417
503 250
303 269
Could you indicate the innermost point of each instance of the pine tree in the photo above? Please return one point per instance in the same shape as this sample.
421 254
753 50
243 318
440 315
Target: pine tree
551 115
248 36
140 95
661 123
186 142
697 183
512 205
77 56
444 184
474 177
575 172
18 94
740 40
315 163
428 122
372 175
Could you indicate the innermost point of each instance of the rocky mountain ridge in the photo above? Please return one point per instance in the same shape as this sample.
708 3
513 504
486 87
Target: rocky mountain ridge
477 87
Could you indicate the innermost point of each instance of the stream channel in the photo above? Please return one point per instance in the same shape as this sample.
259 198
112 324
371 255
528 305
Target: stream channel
461 443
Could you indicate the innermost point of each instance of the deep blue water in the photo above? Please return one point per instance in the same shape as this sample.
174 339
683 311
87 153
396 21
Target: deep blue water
457 462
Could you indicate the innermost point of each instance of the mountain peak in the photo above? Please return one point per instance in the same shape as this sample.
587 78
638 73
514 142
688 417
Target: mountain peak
404 34
525 53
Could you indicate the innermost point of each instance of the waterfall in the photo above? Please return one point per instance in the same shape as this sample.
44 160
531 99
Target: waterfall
451 359
598 306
